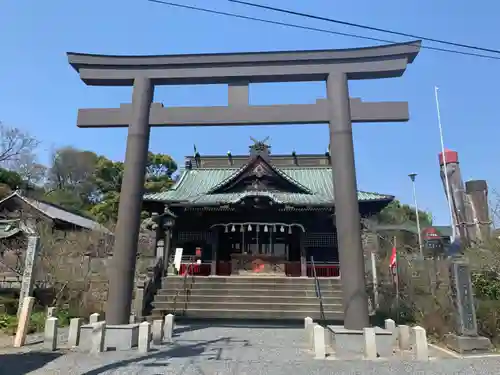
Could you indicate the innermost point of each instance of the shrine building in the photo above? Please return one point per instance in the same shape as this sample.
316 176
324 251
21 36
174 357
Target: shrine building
256 214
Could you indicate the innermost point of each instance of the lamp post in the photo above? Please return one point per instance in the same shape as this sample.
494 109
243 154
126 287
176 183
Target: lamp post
412 178
168 224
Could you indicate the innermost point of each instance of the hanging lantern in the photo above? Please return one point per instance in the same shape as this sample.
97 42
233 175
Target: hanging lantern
257 227
265 228
290 229
233 229
249 228
274 228
282 229
242 228
225 229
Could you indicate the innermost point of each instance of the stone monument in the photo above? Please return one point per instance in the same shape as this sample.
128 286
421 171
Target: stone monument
465 339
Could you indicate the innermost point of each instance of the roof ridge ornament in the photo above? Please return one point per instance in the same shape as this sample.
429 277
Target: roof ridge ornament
260 147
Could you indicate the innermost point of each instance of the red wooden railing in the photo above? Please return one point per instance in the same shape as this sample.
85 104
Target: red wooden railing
292 269
202 269
324 270
224 268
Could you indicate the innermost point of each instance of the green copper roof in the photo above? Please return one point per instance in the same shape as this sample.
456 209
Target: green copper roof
9 228
194 187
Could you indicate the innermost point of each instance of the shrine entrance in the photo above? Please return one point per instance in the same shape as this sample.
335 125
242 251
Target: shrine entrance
259 248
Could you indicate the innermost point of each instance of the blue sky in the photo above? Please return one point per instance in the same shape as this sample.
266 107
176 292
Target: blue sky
39 91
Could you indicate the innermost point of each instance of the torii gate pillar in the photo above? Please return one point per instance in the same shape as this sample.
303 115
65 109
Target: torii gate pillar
352 265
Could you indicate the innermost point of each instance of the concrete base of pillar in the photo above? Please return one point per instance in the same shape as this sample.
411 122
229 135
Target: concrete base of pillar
350 343
468 344
118 337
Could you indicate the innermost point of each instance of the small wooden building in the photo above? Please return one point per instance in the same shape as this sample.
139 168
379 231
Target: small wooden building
256 214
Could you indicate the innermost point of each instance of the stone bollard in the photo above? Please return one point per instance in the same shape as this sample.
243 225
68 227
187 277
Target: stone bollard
319 342
144 344
420 347
370 343
94 318
390 325
157 332
51 312
98 339
50 334
75 325
404 337
309 326
133 319
168 329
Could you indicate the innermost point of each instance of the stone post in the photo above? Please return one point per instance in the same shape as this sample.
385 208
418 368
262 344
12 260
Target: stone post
122 270
404 337
75 326
420 348
144 337
319 342
215 245
50 334
24 318
346 204
29 266
168 328
390 325
157 332
51 312
303 258
370 343
140 290
168 244
94 318
98 338
309 334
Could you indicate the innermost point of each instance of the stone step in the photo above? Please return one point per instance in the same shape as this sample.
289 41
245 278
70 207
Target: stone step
241 305
251 298
253 314
250 280
309 292
243 285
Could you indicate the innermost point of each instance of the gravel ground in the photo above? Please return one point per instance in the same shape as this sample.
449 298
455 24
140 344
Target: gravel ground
214 350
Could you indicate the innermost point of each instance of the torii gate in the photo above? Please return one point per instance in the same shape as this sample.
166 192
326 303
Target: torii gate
238 70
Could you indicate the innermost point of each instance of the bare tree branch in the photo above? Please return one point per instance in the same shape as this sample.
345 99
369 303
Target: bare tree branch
14 142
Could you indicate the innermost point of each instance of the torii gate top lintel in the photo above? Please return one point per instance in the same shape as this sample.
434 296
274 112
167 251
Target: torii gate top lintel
253 67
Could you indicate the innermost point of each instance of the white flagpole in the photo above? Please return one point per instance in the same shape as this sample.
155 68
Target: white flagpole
446 181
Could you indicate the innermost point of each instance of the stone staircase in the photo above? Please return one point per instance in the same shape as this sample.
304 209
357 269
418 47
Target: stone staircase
252 298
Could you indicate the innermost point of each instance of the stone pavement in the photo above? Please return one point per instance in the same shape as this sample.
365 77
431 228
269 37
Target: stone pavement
210 350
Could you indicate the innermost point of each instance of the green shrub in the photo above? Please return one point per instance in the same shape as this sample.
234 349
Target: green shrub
486 285
488 319
8 322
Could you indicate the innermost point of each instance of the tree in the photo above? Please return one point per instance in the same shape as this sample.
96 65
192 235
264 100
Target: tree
159 172
27 166
70 178
398 213
108 177
14 142
9 181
